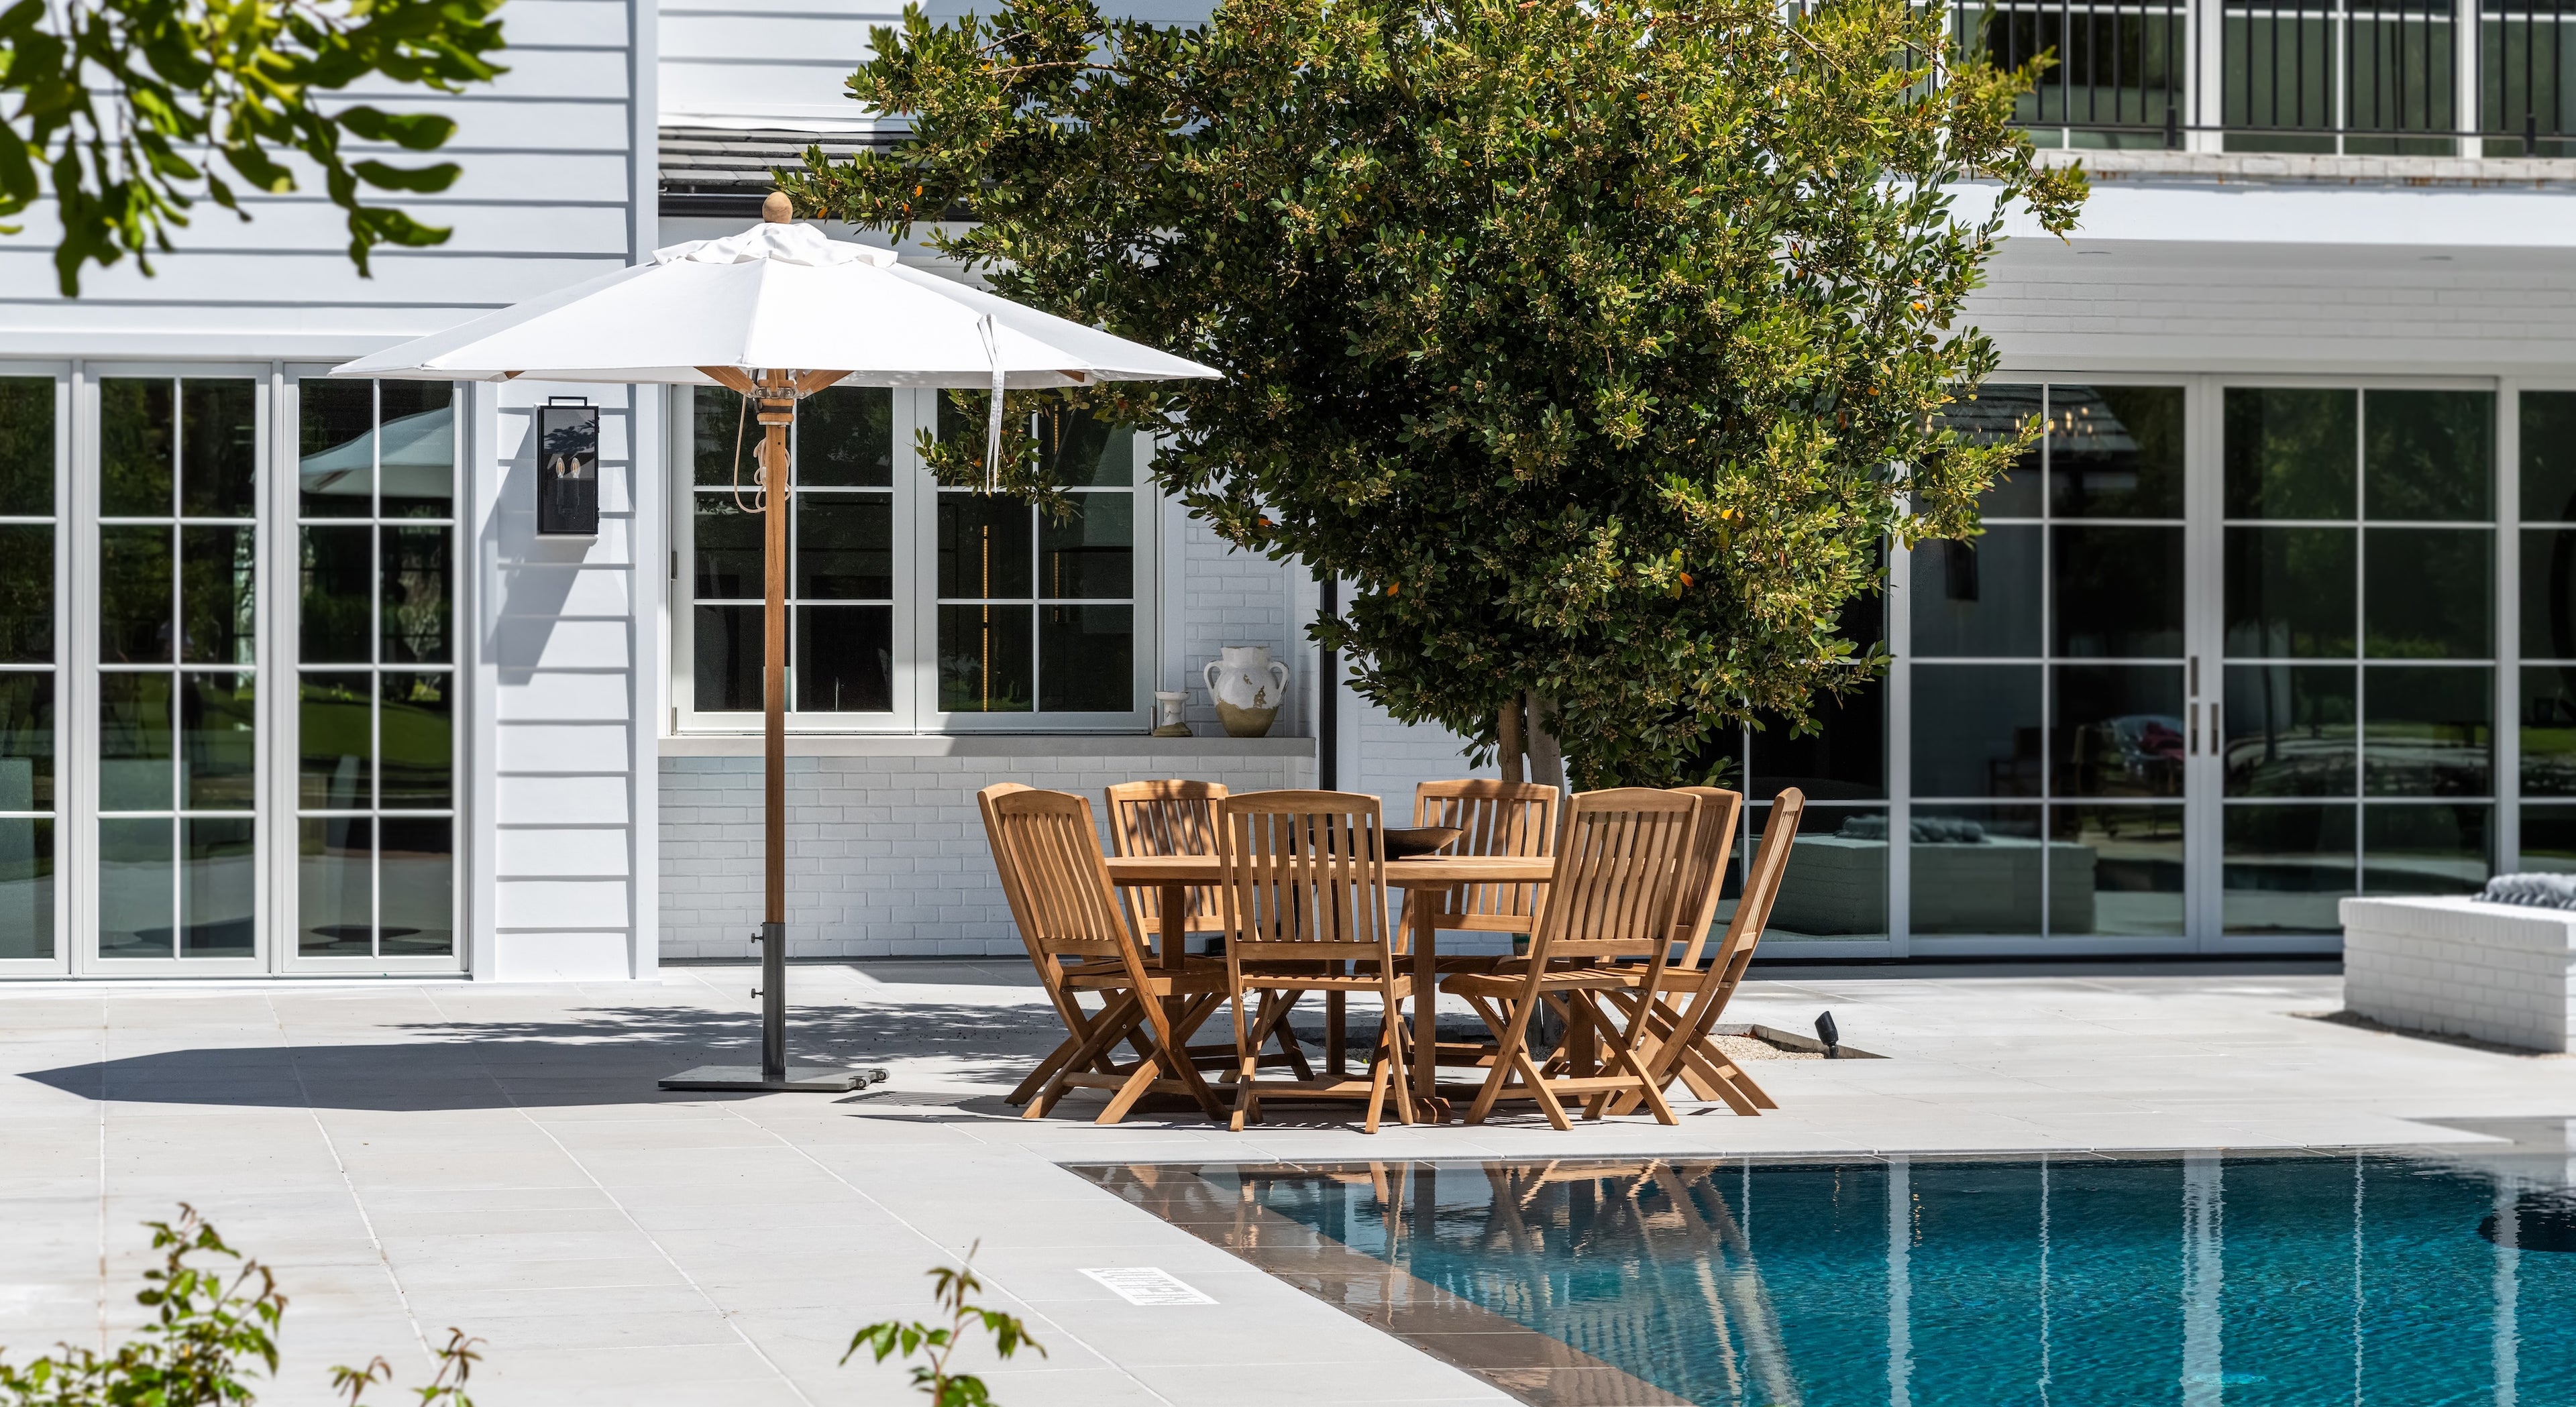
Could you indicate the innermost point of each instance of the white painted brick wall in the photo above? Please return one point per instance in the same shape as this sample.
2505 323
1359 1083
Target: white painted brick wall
886 854
2493 972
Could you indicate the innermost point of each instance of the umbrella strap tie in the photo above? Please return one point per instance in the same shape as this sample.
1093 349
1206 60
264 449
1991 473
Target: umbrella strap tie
760 499
993 425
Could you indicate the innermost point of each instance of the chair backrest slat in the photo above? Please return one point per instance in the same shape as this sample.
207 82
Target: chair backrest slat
1704 877
1762 881
1497 818
1303 877
1167 817
1619 863
1046 846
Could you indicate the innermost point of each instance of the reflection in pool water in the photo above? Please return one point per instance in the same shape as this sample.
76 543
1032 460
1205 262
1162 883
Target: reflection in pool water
2079 1280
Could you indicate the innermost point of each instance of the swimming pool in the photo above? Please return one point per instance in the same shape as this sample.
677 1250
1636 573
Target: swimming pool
2398 1278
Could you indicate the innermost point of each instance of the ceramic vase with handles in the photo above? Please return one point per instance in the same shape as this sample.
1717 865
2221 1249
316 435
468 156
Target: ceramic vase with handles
1248 686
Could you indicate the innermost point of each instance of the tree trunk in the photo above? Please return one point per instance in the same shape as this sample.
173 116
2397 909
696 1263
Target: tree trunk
1547 760
1507 734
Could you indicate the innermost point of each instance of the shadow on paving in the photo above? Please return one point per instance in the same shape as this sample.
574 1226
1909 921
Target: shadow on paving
606 1055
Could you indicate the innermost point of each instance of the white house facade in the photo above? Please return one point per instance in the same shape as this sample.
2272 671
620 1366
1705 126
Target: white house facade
2284 611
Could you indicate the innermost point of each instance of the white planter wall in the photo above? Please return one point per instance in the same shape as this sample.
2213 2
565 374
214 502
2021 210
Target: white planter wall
2492 972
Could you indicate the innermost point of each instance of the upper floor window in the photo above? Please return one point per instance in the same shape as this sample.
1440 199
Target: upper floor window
913 607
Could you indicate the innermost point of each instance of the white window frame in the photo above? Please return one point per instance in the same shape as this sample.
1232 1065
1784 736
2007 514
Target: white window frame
67 823
915 683
285 655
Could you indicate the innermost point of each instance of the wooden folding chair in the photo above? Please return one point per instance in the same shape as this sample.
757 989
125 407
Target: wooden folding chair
1304 899
1696 996
1169 817
1046 847
1176 817
1607 926
1493 818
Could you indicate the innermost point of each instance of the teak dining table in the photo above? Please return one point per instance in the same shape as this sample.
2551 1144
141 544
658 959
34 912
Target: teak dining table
1176 875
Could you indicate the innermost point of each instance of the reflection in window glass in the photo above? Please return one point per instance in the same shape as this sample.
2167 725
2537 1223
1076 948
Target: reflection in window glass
2427 593
2427 730
2549 838
840 569
2424 849
2548 717
1991 413
1976 730
1835 885
2549 593
845 659
2289 452
2115 870
2285 866
2430 455
2115 451
2118 591
984 664
1977 869
2548 457
376 723
28 639
1980 597
2117 731
2290 592
2291 730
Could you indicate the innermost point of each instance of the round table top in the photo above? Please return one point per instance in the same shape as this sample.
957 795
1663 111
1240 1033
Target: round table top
1443 873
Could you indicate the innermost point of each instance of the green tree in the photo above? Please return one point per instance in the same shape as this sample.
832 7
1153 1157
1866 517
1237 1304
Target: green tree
122 111
1585 338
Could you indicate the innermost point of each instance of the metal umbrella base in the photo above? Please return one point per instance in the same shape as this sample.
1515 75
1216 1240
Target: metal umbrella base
809 1079
773 1075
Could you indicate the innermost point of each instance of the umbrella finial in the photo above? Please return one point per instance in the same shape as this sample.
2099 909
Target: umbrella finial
777 209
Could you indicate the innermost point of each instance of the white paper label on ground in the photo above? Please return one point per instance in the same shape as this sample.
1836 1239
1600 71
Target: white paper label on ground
1143 1284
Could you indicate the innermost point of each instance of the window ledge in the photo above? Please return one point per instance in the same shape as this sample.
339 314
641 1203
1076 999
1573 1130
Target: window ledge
985 745
2315 168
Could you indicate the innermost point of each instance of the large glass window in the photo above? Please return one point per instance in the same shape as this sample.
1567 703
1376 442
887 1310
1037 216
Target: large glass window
840 570
1020 613
2048 730
1037 610
375 680
178 717
2360 647
1835 887
28 440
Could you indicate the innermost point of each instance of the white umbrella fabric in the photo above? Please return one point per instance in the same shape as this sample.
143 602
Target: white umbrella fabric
778 312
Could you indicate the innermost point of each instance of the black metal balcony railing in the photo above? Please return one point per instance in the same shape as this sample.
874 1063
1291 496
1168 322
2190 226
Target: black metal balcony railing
2360 76
2523 50
2118 77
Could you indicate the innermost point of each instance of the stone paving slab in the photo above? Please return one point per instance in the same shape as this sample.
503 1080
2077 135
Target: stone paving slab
415 1155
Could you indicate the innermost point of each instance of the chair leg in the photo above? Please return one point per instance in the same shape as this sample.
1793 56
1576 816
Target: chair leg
1623 1052
1037 1078
1399 1064
1512 1058
1248 1062
1140 1080
1336 1035
1174 1029
1113 1025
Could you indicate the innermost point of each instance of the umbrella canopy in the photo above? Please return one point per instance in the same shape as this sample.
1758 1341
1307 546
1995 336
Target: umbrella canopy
776 313
776 297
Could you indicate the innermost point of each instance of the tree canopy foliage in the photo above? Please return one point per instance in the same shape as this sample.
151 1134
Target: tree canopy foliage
1600 343
122 111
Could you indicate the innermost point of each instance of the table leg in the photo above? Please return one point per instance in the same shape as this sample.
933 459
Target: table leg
1175 939
1429 1107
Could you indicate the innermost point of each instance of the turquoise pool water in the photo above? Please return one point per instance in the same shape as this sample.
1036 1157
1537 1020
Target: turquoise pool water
2086 1281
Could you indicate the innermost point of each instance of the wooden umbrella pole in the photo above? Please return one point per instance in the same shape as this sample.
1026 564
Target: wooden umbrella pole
777 411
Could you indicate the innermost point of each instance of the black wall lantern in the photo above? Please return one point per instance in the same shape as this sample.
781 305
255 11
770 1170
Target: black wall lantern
567 468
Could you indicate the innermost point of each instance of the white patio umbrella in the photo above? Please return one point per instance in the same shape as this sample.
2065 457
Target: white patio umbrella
777 312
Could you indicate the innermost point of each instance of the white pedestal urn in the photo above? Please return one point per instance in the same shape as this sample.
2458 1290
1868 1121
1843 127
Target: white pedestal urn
1248 686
